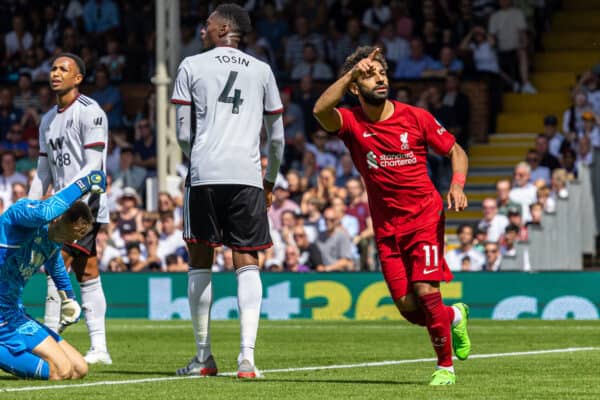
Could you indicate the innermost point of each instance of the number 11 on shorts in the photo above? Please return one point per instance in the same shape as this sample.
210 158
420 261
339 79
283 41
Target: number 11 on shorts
428 250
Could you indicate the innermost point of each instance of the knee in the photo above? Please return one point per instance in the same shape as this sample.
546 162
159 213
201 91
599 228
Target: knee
80 369
61 372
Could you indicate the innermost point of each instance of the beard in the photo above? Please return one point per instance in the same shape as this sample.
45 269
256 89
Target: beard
373 98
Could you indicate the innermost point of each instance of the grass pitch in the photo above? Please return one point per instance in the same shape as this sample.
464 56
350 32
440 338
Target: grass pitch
146 354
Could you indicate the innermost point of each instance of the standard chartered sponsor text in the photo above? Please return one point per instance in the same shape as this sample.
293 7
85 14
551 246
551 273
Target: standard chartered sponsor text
397 159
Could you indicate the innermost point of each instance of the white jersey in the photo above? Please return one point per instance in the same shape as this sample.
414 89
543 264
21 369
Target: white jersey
64 136
229 92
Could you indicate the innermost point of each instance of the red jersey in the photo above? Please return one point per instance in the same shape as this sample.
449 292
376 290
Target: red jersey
391 157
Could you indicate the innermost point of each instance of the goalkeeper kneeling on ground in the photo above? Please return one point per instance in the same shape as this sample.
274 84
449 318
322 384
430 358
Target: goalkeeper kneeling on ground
32 233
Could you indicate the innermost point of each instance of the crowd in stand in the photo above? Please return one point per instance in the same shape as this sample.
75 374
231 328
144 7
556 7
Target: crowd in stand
320 216
538 181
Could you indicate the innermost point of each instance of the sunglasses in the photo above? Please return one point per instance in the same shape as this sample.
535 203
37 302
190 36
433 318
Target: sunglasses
491 251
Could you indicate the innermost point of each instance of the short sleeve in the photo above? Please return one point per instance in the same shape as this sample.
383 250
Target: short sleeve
436 136
181 89
42 139
347 118
94 128
272 100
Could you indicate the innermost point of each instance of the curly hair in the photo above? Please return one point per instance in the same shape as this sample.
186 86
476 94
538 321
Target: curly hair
359 54
237 16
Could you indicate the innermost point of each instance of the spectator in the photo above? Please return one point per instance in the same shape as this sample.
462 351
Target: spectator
19 191
311 209
295 186
190 44
176 263
397 48
568 161
413 66
341 45
171 238
404 95
542 148
17 41
153 262
481 46
585 156
129 216
323 157
458 103
334 244
515 217
543 196
9 114
510 31
294 50
326 190
129 175
292 260
109 98
523 192
590 82
29 161
144 147
52 29
9 176
448 63
293 116
537 211
455 257
70 42
559 184
135 263
502 197
590 128
272 27
46 99
376 16
492 222
26 97
310 255
311 65
348 222
510 239
167 204
403 22
14 141
288 223
572 117
345 170
305 96
493 258
100 16
431 39
114 61
555 138
281 203
538 172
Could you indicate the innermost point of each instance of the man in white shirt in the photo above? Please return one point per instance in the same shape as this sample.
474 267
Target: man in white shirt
171 238
523 192
492 222
555 138
455 257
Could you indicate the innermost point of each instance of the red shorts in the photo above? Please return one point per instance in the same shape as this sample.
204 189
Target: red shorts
412 257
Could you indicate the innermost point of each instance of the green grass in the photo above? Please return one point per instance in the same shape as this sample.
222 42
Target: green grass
145 349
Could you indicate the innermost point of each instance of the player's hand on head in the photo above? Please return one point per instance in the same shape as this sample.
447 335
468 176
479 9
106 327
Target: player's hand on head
94 182
70 310
457 200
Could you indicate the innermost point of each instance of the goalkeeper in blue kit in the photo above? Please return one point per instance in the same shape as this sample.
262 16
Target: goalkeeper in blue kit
32 233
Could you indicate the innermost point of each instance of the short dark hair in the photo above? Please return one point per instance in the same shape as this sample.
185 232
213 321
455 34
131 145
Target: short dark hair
238 16
462 227
132 245
512 228
79 213
78 61
359 54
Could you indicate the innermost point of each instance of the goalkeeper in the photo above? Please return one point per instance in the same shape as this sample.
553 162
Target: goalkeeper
32 233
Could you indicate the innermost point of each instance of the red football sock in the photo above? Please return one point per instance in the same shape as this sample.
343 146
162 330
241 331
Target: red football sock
438 325
416 317
450 311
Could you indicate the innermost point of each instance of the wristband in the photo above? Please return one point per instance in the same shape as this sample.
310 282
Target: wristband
458 179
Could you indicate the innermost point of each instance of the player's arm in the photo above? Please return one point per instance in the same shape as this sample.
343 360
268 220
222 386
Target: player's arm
182 98
36 213
42 179
460 165
324 109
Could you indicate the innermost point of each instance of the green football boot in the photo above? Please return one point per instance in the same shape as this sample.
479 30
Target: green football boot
460 336
442 377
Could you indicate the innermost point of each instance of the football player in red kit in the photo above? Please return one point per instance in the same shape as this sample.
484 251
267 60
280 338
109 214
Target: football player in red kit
388 142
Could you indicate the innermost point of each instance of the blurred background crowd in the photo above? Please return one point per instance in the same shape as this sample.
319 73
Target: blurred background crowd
320 218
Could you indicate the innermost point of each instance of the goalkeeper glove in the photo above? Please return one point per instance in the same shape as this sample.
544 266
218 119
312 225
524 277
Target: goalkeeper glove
70 311
94 182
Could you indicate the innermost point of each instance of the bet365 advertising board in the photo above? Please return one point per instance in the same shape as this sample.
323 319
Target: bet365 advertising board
353 296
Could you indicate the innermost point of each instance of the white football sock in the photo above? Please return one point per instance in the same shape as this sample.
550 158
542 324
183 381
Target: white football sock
93 304
249 299
200 300
52 310
457 316
450 368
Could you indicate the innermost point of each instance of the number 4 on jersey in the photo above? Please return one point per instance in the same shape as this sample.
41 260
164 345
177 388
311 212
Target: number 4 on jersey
236 100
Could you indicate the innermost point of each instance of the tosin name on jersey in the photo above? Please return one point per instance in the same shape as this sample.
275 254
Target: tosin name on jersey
233 60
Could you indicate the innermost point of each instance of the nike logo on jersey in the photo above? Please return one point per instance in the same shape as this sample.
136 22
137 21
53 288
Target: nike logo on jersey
429 271
369 134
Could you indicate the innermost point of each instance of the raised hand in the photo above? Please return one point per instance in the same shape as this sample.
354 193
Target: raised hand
94 182
365 66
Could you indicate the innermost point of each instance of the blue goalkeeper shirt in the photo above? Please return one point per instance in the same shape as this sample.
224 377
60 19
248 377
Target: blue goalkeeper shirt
25 247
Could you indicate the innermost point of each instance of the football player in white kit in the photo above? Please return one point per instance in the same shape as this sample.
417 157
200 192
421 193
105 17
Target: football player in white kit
223 96
73 139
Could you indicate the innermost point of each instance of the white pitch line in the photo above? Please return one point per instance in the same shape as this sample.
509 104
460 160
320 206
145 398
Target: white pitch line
299 369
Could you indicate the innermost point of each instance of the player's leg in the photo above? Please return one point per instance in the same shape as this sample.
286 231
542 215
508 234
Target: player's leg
395 277
52 308
246 231
201 231
80 366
